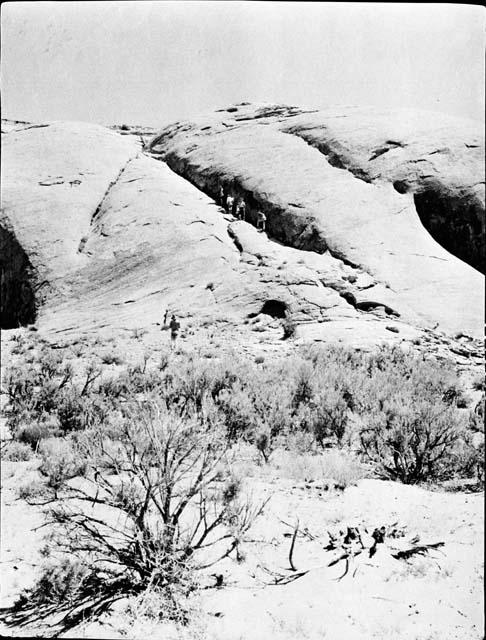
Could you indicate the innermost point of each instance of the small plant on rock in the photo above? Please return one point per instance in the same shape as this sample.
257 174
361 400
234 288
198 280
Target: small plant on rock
289 327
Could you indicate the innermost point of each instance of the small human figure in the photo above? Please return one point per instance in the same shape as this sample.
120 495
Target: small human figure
165 317
222 196
241 209
174 330
230 204
233 208
261 221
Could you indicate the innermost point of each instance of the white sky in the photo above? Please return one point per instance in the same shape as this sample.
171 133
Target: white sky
155 62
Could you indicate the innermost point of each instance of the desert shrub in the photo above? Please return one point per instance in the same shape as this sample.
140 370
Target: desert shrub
289 327
342 467
299 442
16 452
304 385
32 490
43 398
476 416
59 462
163 515
412 440
258 405
164 360
32 390
31 433
391 369
330 417
50 363
77 348
20 384
20 344
239 414
138 380
264 443
468 457
72 412
62 581
115 387
111 357
76 412
334 468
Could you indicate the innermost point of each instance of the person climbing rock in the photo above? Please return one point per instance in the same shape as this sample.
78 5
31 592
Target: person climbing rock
261 221
241 209
230 204
174 330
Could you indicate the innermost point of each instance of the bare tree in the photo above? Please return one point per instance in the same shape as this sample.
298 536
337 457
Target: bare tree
152 509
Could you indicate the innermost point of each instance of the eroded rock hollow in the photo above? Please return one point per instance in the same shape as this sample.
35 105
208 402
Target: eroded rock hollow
17 299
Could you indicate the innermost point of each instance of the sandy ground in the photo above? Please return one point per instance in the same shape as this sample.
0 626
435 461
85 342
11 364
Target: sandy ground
427 598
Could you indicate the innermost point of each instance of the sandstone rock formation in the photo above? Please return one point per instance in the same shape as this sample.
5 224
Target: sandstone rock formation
97 230
361 186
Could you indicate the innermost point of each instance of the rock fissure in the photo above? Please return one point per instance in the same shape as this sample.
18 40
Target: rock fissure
109 188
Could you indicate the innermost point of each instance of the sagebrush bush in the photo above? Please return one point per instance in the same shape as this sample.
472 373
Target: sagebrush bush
60 461
42 399
331 468
32 490
412 439
16 451
62 581
111 357
32 433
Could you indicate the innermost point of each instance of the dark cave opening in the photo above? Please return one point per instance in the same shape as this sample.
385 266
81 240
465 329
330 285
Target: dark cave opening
17 299
455 222
274 308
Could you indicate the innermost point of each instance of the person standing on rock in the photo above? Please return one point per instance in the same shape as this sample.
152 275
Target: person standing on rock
261 221
222 196
230 204
241 209
174 331
165 317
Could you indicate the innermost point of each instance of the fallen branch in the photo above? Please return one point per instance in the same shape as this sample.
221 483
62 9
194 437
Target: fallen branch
418 550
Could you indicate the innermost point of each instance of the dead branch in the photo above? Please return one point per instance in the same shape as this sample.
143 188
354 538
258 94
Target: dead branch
421 550
292 545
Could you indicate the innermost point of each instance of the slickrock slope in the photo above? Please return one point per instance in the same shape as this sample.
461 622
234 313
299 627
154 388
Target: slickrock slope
53 179
98 231
101 235
361 191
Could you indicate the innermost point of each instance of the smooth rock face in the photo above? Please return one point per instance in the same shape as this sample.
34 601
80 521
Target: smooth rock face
103 235
348 183
97 231
53 179
436 158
